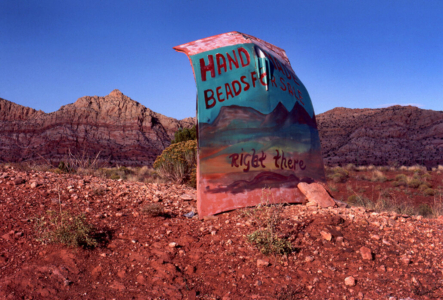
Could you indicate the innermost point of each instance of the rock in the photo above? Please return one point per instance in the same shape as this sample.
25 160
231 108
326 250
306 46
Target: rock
19 181
326 235
405 260
112 126
316 193
262 263
350 135
366 253
309 258
186 197
173 245
350 281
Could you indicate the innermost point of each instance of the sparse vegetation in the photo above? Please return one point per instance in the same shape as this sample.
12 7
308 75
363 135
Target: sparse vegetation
153 210
268 217
65 228
338 175
185 134
177 162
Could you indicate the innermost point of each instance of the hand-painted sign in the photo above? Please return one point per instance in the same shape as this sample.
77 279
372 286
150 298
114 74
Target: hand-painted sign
256 124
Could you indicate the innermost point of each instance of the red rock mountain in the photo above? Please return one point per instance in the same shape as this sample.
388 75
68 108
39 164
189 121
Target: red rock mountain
122 130
405 135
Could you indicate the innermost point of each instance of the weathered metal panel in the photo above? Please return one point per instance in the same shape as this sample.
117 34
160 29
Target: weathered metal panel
256 124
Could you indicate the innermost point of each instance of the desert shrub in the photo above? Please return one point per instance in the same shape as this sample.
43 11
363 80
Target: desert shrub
350 167
424 210
352 199
65 228
424 186
400 177
185 134
338 175
268 243
426 176
177 161
414 183
378 176
429 192
153 210
267 217
65 167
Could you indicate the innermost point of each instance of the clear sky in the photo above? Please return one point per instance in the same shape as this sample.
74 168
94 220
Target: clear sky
356 54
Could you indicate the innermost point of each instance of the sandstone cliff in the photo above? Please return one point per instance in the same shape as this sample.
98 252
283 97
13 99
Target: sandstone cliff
122 130
405 135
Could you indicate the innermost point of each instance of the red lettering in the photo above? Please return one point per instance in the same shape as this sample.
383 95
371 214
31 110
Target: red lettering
219 94
231 61
300 97
290 164
208 98
254 78
228 91
263 75
273 81
276 158
277 65
283 86
248 59
236 91
243 79
290 89
301 164
234 160
295 79
205 68
220 66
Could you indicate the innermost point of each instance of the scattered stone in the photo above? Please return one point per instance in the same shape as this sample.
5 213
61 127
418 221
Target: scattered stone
173 245
350 281
262 263
366 253
326 235
309 258
19 181
316 193
405 260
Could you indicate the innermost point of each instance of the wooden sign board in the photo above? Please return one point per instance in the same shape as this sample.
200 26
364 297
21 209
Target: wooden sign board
256 124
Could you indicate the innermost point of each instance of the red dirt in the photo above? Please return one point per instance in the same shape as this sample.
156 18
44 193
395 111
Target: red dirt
213 259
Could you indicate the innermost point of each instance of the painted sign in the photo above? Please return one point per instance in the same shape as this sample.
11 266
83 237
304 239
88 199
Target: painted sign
256 124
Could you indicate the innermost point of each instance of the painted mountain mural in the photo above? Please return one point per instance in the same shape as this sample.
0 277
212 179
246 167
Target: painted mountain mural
276 149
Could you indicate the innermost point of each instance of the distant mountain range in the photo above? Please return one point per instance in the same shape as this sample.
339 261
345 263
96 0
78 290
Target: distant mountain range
127 133
119 129
396 135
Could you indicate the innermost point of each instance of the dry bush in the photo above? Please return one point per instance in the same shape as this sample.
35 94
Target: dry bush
153 210
176 163
378 176
338 175
267 217
65 228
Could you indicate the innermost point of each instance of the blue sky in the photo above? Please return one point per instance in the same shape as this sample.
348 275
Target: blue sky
356 54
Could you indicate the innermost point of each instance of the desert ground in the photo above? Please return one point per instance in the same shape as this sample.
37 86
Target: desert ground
385 245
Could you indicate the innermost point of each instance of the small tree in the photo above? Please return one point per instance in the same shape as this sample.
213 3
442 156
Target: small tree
185 134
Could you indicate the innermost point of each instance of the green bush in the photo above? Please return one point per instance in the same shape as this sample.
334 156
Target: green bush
65 228
185 134
176 163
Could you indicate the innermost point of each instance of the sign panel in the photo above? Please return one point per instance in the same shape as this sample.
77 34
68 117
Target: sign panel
256 124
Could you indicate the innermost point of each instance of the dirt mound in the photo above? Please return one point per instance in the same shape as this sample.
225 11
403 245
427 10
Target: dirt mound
403 135
381 255
119 129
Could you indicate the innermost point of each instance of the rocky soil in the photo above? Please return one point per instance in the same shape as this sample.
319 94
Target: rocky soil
403 135
339 253
115 127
